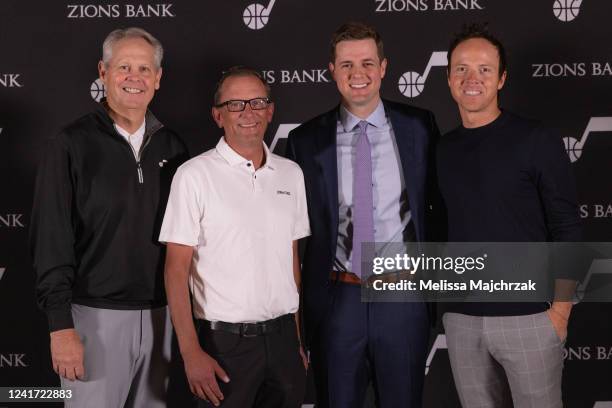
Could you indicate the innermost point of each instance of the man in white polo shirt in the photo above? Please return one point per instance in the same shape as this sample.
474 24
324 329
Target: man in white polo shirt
232 223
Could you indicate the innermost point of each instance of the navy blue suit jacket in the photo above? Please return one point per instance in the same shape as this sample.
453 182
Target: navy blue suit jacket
313 146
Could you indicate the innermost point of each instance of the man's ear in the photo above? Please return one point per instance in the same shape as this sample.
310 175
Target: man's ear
332 69
158 78
502 80
216 114
383 67
102 71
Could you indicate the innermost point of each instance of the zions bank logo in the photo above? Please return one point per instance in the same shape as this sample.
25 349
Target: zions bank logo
566 10
256 16
296 76
599 210
97 90
387 6
11 221
586 353
10 81
12 360
574 147
119 10
572 69
411 84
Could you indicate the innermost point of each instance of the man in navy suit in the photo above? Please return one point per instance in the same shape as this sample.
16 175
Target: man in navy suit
369 173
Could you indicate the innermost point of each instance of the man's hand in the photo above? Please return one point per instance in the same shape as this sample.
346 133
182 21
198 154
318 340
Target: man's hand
304 357
559 316
67 354
202 370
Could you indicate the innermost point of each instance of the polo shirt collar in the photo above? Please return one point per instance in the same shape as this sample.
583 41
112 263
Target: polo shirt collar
377 118
234 159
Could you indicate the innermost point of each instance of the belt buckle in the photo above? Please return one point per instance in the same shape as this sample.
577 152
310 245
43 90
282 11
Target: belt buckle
245 332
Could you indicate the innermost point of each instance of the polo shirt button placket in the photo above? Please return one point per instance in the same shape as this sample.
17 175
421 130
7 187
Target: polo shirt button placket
252 174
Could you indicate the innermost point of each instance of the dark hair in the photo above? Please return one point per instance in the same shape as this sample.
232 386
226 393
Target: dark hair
239 71
355 30
478 30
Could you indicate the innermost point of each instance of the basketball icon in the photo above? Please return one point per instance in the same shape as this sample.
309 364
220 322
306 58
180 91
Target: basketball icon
573 147
97 90
255 16
566 10
411 84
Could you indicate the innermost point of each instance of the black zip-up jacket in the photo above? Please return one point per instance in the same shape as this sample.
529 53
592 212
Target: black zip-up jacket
96 217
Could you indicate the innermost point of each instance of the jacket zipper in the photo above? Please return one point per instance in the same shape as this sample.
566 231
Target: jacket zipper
138 166
140 177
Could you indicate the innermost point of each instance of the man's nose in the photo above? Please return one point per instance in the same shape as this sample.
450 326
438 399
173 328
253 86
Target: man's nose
133 73
356 71
247 109
472 75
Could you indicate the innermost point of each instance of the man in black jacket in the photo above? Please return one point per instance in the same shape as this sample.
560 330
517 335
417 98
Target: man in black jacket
100 195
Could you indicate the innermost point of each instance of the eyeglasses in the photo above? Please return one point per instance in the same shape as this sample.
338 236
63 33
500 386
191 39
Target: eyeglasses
238 105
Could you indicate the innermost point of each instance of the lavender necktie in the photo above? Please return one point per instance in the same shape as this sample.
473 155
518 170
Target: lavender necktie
363 207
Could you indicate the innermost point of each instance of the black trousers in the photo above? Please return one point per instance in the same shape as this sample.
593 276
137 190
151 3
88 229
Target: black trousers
265 371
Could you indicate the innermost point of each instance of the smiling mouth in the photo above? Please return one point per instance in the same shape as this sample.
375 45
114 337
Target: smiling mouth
248 125
132 90
358 86
472 93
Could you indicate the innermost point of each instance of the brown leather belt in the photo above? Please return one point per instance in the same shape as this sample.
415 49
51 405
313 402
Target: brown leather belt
352 279
345 277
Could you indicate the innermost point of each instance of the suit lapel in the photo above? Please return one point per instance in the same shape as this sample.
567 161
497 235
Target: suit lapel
326 157
404 132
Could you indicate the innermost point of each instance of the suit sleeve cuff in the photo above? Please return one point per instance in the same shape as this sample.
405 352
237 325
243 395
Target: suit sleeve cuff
60 319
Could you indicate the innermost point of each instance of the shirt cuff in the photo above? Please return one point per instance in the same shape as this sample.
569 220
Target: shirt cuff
60 319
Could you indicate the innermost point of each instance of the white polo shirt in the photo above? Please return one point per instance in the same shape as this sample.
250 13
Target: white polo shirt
241 223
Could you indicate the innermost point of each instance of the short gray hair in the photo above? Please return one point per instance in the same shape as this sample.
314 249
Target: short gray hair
132 32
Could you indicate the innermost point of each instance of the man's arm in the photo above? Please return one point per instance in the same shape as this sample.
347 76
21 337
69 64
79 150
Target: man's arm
557 188
52 248
561 309
201 369
297 276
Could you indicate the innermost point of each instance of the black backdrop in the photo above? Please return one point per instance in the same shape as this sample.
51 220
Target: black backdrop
560 71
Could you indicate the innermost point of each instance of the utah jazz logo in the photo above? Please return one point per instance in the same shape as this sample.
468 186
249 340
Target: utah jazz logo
439 344
411 84
574 146
566 10
97 90
282 133
602 268
256 16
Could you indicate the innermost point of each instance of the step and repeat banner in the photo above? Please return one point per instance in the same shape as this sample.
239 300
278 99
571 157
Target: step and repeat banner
559 71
